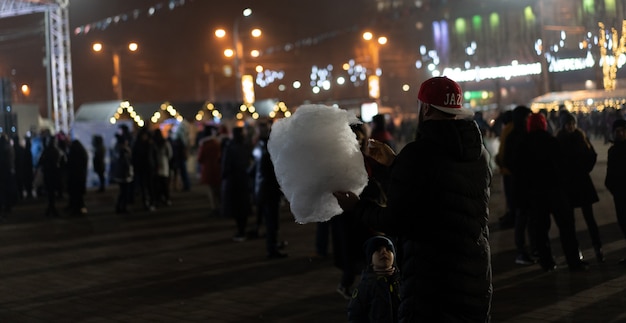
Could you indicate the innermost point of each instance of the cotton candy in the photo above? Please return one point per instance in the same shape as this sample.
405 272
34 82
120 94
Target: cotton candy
315 153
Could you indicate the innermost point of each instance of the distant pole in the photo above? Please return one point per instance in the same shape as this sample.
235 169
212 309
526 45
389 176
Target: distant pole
238 62
117 76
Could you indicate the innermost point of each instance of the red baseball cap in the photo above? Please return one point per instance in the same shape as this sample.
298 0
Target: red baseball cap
444 94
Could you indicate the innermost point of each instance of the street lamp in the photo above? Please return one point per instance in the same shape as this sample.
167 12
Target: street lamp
117 73
373 80
237 51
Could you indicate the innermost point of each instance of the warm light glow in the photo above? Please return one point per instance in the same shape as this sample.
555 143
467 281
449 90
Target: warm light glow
25 90
133 47
247 12
296 84
368 35
96 47
382 40
255 53
247 86
258 68
373 83
220 33
229 52
256 32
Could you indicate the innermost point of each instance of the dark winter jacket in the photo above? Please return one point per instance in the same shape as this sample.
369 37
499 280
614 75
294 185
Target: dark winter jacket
615 180
579 160
437 206
511 155
77 163
99 152
266 187
124 170
376 298
541 167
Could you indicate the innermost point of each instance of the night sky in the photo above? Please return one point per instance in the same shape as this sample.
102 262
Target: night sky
178 50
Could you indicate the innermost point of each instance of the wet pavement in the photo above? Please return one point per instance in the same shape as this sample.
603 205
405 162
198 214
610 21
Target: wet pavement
179 264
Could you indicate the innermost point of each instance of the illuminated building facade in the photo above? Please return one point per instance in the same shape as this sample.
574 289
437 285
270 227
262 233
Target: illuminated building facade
510 50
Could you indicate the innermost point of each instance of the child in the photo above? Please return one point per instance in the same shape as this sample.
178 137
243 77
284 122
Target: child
615 180
376 299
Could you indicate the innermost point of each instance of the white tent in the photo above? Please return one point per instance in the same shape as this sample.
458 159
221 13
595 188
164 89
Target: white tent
583 100
95 119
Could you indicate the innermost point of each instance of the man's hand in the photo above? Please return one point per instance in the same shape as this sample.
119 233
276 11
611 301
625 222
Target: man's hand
380 152
347 200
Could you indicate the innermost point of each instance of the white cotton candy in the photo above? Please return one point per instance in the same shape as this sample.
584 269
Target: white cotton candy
315 153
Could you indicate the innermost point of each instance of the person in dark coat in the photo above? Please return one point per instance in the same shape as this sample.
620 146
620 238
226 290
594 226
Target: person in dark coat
615 179
236 193
347 232
579 160
438 208
99 151
209 159
519 206
51 161
21 167
123 173
180 155
77 164
380 131
8 191
376 299
28 175
543 183
267 192
144 165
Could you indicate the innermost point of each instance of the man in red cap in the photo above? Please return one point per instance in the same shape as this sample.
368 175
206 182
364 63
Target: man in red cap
437 209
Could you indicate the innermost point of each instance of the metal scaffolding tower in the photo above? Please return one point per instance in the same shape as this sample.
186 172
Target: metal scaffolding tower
58 56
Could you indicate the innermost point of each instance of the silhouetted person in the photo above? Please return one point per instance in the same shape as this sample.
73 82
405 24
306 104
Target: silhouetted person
51 162
511 160
77 164
28 175
542 181
579 159
615 180
123 173
144 164
8 193
267 192
99 152
380 131
236 192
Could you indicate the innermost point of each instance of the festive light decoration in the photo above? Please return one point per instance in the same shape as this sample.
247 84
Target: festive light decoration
618 48
125 107
128 16
212 113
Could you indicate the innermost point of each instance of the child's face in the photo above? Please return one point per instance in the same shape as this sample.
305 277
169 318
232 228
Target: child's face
382 258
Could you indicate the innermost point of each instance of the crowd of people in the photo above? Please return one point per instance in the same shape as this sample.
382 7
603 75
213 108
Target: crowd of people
422 221
545 160
435 196
57 170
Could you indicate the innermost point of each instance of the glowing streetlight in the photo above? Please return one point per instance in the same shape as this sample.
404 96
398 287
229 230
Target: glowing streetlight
117 72
374 51
25 90
237 51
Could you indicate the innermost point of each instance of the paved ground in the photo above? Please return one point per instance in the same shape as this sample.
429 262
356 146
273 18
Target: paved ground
177 264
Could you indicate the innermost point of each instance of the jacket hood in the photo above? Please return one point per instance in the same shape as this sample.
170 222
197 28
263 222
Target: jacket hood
458 139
